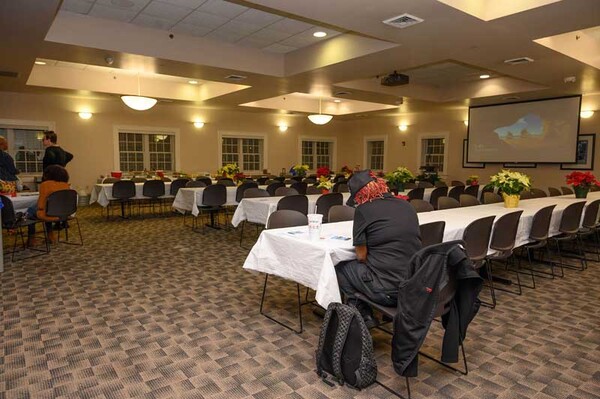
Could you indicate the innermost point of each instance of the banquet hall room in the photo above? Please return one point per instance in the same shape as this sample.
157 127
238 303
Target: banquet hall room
149 307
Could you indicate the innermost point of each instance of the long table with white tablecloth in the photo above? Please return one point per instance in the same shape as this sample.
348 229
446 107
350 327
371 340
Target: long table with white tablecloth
314 264
188 199
102 193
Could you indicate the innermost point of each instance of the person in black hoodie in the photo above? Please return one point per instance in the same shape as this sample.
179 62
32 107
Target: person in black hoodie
54 154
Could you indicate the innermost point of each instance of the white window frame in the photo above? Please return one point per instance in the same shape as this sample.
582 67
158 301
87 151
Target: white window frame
441 135
25 124
244 135
145 130
333 140
366 154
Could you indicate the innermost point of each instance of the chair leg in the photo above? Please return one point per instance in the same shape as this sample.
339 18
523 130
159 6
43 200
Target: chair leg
262 301
242 232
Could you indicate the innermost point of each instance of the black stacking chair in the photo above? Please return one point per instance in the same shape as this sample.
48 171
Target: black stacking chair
447 203
432 233
537 193
262 180
566 190
477 238
176 185
538 234
285 191
296 202
19 224
274 186
326 201
152 191
281 219
421 205
483 191
300 187
590 225
340 188
526 194
289 181
468 200
239 192
123 193
425 184
410 186
472 190
63 205
138 179
440 183
569 228
213 199
554 192
416 193
455 192
491 198
437 193
195 184
205 179
456 183
311 190
226 181
504 234
340 213
310 180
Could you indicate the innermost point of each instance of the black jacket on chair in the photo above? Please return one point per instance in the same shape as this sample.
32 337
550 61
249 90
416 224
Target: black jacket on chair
418 302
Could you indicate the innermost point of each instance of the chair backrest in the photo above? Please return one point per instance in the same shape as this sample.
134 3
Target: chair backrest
176 185
239 192
540 225
472 190
455 192
195 183
138 179
340 213
8 212
298 178
205 179
410 185
225 181
468 200
590 217
456 183
566 190
123 189
274 186
289 181
505 232
491 198
296 202
61 204
425 184
326 201
432 233
447 203
416 193
483 191
594 188
313 190
310 180
421 205
437 193
554 192
340 187
300 187
526 194
254 192
262 180
537 193
440 183
340 178
166 179
108 180
284 191
214 195
477 237
286 218
153 188
571 216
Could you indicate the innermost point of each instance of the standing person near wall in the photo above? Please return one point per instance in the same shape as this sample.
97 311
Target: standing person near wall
54 154
8 171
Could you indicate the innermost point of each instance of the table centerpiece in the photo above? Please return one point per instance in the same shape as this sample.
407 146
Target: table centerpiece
582 182
511 184
396 179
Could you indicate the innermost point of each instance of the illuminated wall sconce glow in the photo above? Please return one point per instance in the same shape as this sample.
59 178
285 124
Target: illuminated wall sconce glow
337 101
193 82
484 76
319 34
283 127
40 63
403 128
586 114
85 115
198 124
466 122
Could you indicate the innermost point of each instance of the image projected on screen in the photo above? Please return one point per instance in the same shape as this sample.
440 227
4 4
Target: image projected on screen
535 131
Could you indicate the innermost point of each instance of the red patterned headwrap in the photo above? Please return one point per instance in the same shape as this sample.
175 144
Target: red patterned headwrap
371 191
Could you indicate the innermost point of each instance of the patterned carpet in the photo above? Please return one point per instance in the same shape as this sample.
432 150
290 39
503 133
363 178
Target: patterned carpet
148 308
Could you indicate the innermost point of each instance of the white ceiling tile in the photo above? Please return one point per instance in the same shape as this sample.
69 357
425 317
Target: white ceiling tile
101 11
253 42
241 27
150 21
205 20
78 6
124 5
222 8
225 35
268 34
167 11
278 48
191 30
258 17
186 3
301 40
290 26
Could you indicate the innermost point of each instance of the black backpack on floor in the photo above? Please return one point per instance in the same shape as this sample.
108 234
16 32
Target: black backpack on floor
346 348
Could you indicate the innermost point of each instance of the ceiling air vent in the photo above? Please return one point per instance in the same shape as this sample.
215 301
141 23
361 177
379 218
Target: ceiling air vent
9 74
236 78
403 21
517 61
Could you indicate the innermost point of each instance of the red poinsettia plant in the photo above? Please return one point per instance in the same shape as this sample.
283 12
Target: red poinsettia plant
239 177
323 171
582 179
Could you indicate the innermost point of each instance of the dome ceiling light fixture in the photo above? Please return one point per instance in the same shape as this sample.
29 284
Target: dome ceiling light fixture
139 103
320 119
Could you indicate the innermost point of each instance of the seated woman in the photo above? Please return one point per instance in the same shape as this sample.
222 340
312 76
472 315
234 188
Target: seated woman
55 178
385 235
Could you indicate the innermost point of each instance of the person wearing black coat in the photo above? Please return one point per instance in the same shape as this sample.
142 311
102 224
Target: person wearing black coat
54 154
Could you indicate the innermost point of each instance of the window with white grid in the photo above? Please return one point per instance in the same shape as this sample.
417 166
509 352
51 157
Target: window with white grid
433 153
146 151
26 147
316 154
375 154
246 152
230 151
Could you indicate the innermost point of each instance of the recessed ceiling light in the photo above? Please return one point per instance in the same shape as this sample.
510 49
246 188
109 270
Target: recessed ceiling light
337 101
319 34
484 76
193 82
40 63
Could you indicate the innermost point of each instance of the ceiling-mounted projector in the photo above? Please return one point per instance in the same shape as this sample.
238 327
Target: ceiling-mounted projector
394 79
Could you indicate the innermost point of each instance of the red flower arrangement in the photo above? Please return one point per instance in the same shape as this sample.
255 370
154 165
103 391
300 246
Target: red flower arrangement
582 179
323 171
238 177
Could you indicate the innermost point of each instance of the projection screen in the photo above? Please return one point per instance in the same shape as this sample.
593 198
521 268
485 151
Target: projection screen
543 131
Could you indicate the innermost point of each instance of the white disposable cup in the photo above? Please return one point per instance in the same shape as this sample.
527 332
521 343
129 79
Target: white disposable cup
315 220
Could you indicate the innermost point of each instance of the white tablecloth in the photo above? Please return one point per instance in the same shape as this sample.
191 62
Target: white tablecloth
23 201
102 193
295 257
257 210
